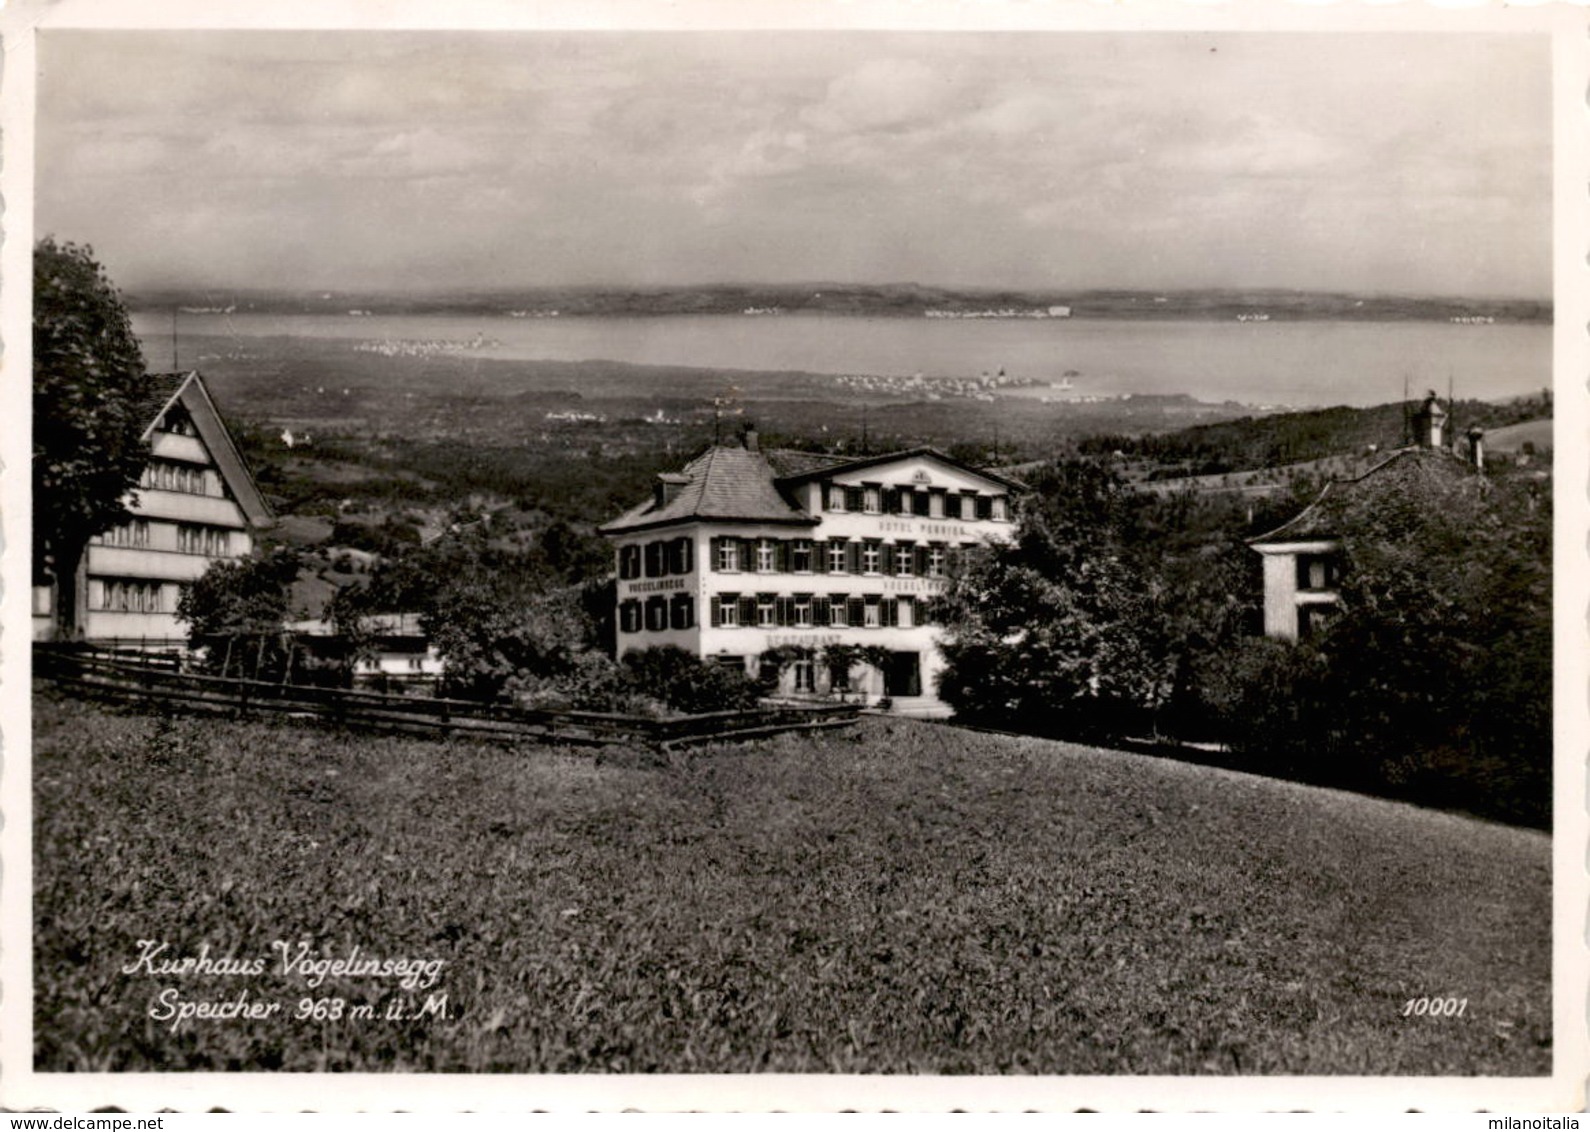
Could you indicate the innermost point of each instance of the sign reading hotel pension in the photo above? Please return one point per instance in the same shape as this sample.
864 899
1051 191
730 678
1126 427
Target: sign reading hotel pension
924 528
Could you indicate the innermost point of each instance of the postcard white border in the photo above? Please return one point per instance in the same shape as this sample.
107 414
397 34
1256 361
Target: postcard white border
21 1087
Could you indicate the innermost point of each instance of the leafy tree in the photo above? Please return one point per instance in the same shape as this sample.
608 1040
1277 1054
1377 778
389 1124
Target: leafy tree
1051 632
1433 680
237 611
89 388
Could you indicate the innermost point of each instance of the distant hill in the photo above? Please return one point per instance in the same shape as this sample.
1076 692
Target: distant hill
903 300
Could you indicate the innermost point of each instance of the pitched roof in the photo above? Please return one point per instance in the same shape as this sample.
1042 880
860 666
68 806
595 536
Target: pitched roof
163 389
721 483
189 388
789 462
1318 520
858 463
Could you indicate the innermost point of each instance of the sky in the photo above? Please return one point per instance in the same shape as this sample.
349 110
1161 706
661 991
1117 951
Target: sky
1413 163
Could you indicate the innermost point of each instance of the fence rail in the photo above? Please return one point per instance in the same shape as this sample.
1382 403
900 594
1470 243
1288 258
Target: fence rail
119 679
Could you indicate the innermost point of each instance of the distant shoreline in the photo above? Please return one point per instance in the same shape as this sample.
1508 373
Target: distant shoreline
903 302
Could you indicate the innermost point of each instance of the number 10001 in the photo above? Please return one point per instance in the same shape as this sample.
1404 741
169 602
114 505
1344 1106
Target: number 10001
1435 1007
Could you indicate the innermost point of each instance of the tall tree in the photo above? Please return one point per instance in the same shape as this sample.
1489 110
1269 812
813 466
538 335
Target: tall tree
89 388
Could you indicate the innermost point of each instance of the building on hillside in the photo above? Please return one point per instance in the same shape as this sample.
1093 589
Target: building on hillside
1303 558
196 503
745 552
399 654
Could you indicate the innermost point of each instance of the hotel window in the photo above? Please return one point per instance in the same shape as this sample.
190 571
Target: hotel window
680 555
985 507
891 501
855 498
935 505
836 611
836 497
805 676
871 557
682 612
904 552
127 596
133 534
766 556
728 555
969 505
952 506
654 559
999 508
905 613
656 613
800 556
629 616
803 611
836 556
935 561
919 504
766 610
872 499
726 610
871 616
629 562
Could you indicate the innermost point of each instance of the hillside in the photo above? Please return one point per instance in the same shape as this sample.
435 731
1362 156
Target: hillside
1253 443
906 898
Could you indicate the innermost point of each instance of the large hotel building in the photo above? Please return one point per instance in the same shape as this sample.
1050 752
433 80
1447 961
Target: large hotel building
745 551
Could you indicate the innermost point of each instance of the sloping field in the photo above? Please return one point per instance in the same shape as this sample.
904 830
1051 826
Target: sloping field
903 898
1514 437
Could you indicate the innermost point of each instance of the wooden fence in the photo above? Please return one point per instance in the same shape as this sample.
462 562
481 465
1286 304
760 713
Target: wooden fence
158 684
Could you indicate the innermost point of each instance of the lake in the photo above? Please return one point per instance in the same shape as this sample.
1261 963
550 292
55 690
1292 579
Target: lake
1282 363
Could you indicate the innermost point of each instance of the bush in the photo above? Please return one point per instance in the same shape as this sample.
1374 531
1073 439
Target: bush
687 683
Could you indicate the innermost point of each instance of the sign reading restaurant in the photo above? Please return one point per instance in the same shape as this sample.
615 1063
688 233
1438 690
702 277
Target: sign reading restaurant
746 551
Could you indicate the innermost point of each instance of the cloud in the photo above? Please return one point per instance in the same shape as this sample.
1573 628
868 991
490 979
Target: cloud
882 95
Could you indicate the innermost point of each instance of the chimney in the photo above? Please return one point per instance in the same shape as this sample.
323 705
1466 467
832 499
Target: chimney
669 485
1476 436
1429 423
753 443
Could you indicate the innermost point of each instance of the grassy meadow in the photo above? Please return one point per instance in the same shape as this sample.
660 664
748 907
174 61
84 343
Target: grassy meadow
900 898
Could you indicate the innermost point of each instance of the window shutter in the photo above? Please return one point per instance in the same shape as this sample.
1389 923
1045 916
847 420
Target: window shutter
748 610
886 558
819 610
919 503
717 613
781 556
921 561
784 611
717 553
853 557
819 558
857 609
748 554
985 506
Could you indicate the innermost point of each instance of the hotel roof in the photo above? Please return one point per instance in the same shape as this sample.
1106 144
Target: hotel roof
735 484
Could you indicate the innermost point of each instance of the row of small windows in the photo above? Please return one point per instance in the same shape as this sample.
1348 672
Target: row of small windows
119 595
807 611
833 556
133 534
656 559
213 542
929 503
657 613
192 538
167 475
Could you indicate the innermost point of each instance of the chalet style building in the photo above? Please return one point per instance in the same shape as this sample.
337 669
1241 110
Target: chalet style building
745 552
195 503
1303 556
